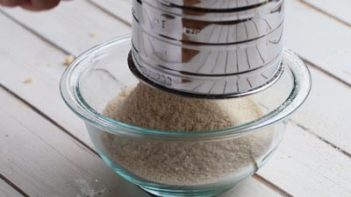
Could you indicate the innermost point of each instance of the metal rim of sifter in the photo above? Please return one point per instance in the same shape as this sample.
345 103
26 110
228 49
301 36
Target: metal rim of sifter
214 4
142 77
220 7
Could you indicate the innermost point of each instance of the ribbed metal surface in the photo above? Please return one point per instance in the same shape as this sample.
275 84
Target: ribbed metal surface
208 52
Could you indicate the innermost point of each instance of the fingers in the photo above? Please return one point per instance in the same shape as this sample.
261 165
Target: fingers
34 5
13 3
37 5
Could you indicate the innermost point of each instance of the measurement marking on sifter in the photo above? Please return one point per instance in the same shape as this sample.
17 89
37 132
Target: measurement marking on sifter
277 41
237 85
269 25
247 58
256 27
246 31
227 54
202 64
225 87
259 52
208 54
237 61
198 86
264 76
218 53
249 82
211 88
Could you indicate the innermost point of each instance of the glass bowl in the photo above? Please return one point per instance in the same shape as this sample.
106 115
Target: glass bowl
178 163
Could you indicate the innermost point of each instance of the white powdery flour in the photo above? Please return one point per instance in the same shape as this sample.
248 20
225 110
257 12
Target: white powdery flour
184 162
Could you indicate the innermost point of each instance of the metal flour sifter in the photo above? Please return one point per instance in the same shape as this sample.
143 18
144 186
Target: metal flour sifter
208 48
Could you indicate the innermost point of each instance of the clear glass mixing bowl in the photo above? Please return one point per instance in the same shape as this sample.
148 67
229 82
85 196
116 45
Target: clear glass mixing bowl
169 163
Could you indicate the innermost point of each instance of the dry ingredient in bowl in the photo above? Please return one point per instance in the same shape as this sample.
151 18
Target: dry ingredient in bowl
183 162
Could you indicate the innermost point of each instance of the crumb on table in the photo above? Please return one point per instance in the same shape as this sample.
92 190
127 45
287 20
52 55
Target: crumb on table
28 81
93 35
68 60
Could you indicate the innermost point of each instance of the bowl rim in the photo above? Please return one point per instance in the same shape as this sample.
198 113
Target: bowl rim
69 90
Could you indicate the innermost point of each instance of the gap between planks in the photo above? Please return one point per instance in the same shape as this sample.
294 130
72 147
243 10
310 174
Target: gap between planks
120 19
269 184
347 154
330 15
14 186
46 40
47 118
326 72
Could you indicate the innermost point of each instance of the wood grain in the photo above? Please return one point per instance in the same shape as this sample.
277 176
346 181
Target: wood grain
27 57
7 191
74 26
123 6
121 9
249 187
44 161
319 39
337 9
306 166
326 111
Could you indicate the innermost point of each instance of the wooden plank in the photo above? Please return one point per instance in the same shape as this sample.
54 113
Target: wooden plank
7 191
306 31
43 161
340 9
319 39
306 166
74 26
249 187
326 111
121 9
310 166
43 66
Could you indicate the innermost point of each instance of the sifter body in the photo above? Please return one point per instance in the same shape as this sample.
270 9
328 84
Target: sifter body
208 48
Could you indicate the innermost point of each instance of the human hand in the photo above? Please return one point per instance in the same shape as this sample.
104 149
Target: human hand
34 5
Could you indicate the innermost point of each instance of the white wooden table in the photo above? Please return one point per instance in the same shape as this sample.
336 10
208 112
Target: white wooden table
45 150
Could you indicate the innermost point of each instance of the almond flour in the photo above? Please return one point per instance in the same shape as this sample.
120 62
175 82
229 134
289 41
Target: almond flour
184 163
